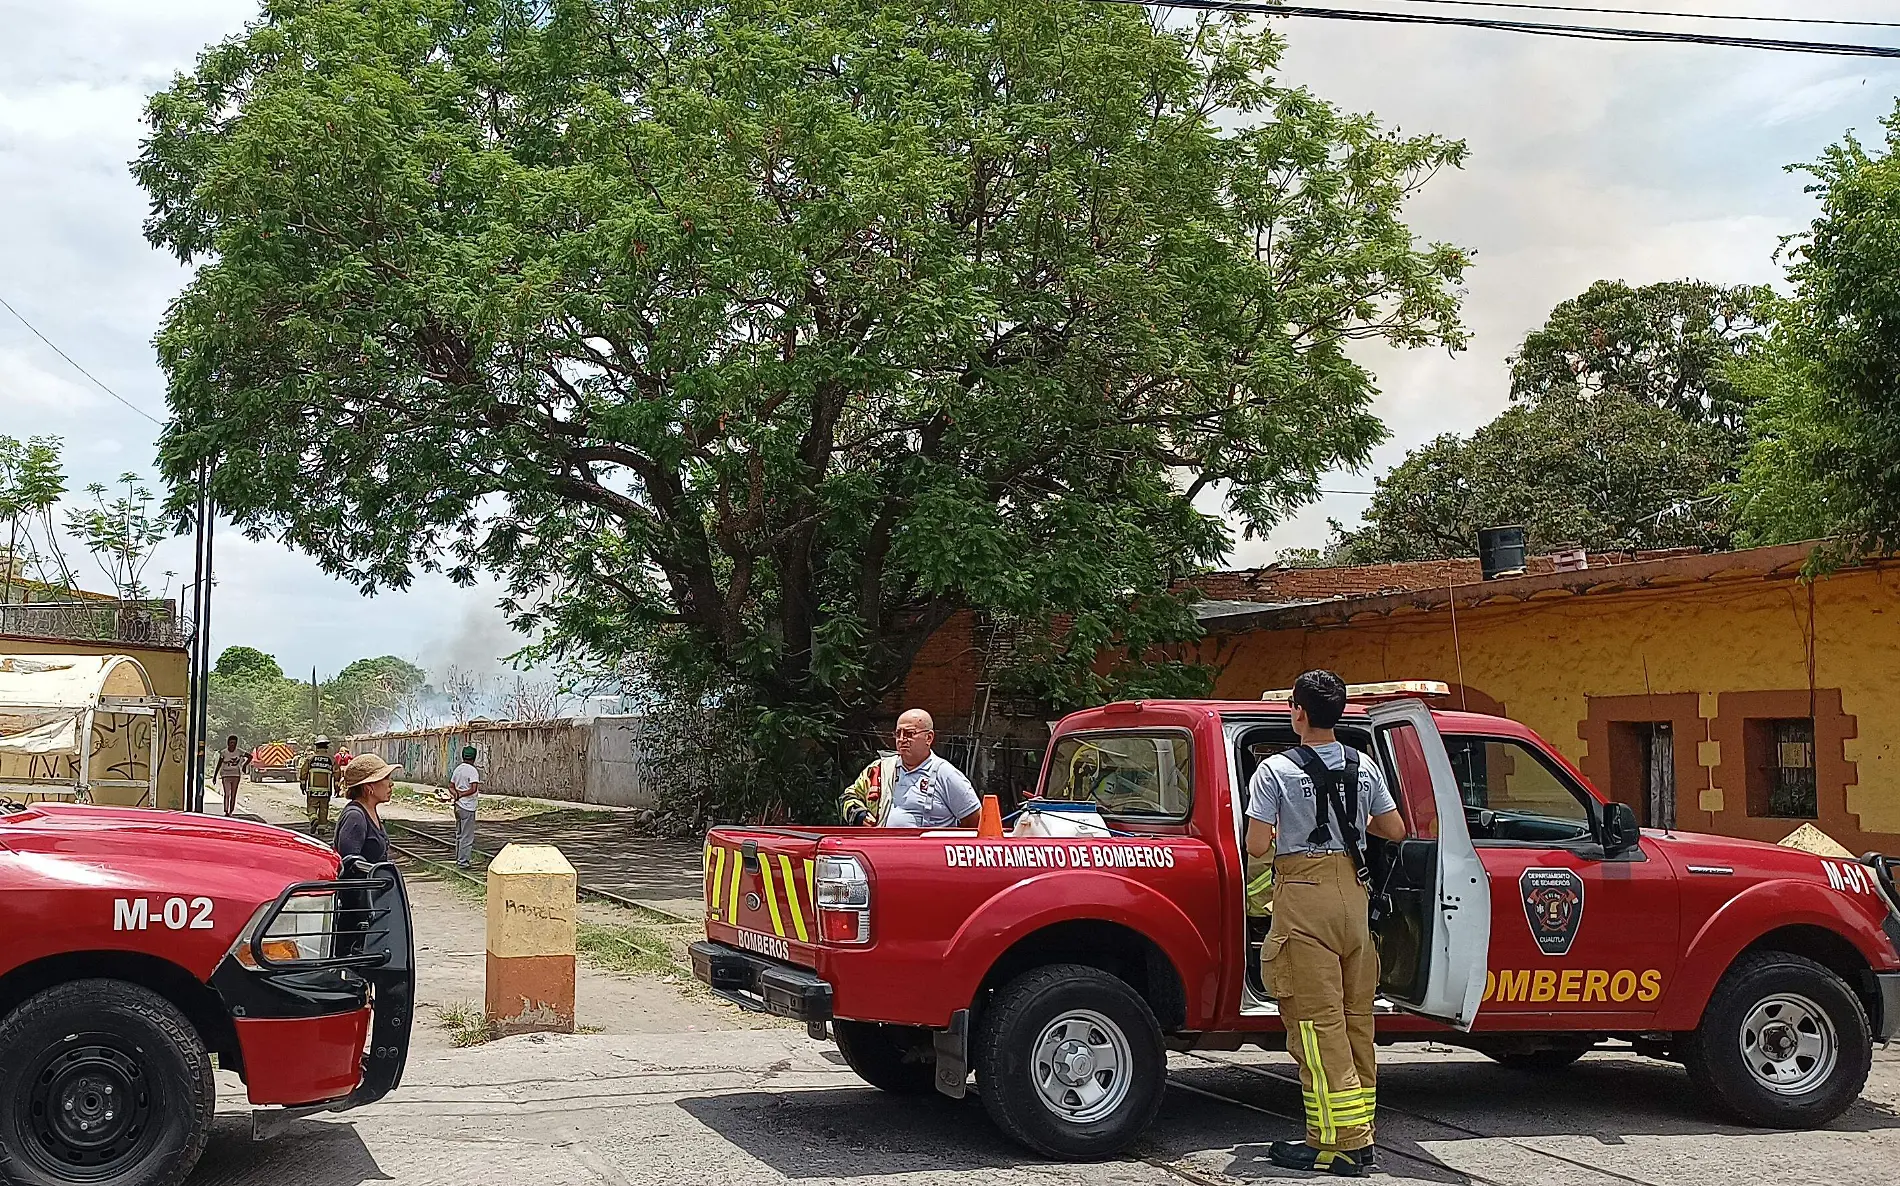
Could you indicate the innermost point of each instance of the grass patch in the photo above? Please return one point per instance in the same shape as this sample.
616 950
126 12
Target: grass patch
467 1024
640 948
424 797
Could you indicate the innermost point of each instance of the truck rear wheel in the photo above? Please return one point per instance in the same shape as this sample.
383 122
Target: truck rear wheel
102 1083
1784 1043
1070 1062
895 1058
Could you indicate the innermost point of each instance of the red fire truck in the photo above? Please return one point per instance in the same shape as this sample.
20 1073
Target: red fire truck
134 945
1531 919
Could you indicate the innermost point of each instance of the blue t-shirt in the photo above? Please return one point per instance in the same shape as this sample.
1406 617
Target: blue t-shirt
1280 794
934 795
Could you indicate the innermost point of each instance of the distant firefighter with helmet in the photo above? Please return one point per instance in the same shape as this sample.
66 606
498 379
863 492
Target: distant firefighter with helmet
316 774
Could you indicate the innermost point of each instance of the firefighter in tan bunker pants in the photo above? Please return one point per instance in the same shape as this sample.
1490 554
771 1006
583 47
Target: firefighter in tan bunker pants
1311 807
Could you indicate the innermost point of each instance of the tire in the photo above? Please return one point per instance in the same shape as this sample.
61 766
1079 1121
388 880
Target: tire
1091 1018
895 1058
1542 1062
98 1044
1784 1043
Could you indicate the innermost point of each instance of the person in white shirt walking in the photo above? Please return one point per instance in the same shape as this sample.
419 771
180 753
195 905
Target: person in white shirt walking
466 782
231 767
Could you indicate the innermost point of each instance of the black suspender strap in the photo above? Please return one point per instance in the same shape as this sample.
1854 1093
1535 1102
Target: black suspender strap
1335 793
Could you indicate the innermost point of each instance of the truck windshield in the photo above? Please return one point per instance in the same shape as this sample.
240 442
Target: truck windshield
1148 776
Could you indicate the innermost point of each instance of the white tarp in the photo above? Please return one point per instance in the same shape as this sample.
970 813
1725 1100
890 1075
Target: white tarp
44 699
54 737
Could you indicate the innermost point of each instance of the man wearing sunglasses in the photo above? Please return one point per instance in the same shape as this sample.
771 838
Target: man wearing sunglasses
913 788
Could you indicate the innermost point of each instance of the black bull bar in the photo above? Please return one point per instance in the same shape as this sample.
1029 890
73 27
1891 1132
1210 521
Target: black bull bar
374 940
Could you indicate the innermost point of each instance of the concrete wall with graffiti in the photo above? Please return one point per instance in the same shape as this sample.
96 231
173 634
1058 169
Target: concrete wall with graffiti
598 761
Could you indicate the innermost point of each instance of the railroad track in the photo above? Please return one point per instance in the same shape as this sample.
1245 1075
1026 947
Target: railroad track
585 890
1388 1153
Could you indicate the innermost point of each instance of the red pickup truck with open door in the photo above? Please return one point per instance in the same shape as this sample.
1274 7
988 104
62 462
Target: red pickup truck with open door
1530 919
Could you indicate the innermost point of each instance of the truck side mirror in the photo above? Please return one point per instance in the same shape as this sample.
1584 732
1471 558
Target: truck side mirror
1621 832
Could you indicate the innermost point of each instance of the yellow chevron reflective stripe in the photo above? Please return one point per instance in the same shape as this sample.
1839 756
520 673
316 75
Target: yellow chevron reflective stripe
713 894
732 907
791 899
771 896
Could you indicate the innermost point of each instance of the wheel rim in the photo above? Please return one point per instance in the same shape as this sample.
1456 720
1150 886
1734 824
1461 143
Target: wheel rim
87 1109
1082 1067
1789 1044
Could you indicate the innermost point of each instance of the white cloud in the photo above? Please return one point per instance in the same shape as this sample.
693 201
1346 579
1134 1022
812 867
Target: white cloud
24 383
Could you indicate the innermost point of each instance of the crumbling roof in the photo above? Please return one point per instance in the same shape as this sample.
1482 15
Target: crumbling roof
1461 581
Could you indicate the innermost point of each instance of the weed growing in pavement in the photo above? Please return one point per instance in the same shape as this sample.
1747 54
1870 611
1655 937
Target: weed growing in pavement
467 1024
637 947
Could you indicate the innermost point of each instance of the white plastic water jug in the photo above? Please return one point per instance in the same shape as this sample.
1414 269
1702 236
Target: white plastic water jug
1047 817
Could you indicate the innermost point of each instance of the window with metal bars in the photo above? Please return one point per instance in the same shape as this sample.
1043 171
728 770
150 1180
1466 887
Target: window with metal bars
1781 768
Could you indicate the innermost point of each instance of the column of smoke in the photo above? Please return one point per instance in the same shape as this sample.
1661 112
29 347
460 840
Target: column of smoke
468 680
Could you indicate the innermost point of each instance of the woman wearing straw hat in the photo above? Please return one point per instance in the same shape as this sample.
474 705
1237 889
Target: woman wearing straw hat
367 782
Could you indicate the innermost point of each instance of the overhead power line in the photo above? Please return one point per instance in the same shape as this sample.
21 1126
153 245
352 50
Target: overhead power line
1533 28
1523 5
97 382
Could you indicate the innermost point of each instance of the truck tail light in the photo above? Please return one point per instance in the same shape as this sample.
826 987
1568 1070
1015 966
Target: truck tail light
842 892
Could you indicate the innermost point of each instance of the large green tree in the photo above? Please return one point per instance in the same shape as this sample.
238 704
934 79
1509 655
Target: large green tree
1669 345
758 336
1600 469
1824 459
365 693
247 665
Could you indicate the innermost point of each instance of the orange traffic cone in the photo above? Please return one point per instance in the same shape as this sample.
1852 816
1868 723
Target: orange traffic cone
989 824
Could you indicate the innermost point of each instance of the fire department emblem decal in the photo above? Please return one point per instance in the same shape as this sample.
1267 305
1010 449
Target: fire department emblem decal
1553 905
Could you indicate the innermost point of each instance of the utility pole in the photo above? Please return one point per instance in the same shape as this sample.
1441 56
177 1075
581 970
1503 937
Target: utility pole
198 661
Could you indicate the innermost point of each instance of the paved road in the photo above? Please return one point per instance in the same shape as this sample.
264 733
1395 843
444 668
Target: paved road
771 1106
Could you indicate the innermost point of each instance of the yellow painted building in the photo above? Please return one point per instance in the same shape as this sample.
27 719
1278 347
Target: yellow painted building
121 745
1718 693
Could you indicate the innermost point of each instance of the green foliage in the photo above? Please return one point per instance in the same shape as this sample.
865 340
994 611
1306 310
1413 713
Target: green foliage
1598 469
1667 345
258 710
757 338
1792 484
1825 460
32 480
366 692
121 534
247 665
250 696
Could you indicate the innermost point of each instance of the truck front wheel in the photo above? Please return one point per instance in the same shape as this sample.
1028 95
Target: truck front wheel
102 1083
1783 1043
1070 1062
895 1058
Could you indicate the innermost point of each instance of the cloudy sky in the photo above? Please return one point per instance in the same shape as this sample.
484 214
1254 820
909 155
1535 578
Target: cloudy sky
1587 161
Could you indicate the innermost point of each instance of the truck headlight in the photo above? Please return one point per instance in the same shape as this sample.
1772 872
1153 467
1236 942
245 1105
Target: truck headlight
305 929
